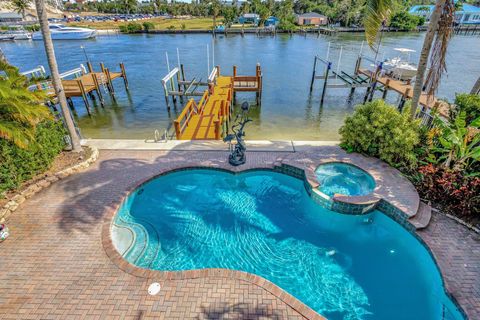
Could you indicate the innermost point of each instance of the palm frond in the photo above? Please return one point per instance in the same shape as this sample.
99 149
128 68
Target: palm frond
20 109
377 12
444 33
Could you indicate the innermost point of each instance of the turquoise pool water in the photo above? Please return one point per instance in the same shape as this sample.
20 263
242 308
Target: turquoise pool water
345 179
343 266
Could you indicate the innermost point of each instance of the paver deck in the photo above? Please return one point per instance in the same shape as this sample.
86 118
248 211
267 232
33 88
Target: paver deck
55 266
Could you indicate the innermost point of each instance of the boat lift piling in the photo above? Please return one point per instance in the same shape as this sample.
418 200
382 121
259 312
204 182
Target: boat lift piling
374 78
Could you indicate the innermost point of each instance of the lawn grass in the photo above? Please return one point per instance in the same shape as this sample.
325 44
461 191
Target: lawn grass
160 23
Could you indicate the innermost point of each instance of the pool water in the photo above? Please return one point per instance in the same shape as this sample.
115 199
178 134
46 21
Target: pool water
342 266
343 178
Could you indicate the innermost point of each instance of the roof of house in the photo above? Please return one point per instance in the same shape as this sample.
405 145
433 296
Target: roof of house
10 15
311 15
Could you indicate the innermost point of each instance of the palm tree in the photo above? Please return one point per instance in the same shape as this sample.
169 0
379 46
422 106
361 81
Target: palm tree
57 83
377 12
438 34
476 87
21 6
21 108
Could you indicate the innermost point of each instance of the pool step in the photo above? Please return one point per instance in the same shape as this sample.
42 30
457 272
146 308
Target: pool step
423 216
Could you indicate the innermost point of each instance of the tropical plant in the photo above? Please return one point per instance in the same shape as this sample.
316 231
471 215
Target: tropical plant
57 83
455 191
469 103
377 14
458 146
21 6
380 130
20 109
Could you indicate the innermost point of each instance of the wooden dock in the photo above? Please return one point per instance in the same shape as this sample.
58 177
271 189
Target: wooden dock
209 118
85 84
406 91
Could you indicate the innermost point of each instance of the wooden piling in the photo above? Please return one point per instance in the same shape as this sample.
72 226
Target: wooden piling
385 89
97 89
124 75
89 67
327 72
84 96
110 82
313 73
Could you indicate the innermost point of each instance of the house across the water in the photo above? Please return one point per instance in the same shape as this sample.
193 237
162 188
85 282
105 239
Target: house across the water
467 14
271 22
249 18
311 18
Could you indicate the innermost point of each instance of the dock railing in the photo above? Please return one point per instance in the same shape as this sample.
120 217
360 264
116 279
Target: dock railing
183 119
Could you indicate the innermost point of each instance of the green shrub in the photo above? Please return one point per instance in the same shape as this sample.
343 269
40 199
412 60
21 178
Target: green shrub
148 26
380 130
468 103
131 27
20 164
32 28
171 27
405 21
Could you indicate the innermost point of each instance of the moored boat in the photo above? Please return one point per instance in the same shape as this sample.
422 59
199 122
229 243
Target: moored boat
61 32
400 67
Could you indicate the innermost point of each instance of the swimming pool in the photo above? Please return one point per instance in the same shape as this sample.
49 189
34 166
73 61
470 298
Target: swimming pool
262 222
343 178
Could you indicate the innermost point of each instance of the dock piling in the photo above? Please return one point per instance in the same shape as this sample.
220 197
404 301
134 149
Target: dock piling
124 75
84 96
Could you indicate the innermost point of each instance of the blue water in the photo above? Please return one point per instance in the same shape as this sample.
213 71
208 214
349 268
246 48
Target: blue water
345 179
287 112
342 266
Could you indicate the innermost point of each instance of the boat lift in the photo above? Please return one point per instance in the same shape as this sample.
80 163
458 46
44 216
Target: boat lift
337 78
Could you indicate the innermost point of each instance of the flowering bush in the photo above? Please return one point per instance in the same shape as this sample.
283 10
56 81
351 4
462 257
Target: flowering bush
454 190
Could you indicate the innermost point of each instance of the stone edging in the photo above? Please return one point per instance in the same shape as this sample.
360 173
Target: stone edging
43 183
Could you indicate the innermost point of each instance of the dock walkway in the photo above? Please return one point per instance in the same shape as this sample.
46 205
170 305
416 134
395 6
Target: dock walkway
209 118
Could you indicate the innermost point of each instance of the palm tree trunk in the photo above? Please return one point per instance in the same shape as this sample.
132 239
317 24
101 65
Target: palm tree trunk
2 56
57 82
424 55
476 87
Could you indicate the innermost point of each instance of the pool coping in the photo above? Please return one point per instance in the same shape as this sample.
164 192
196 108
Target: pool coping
365 203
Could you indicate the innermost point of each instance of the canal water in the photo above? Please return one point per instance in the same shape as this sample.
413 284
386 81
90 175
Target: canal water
287 111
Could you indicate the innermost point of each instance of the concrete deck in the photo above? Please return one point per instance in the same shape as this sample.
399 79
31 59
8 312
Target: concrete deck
204 145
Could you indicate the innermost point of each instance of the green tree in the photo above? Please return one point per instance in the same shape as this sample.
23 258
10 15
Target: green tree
264 13
21 6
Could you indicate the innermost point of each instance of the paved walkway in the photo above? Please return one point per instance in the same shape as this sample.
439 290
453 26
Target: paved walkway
54 264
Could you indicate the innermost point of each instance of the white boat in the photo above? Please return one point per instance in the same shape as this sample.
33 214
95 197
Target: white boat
7 37
61 32
400 67
20 35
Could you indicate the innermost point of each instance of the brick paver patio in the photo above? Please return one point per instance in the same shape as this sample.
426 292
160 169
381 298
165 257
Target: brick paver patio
55 266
